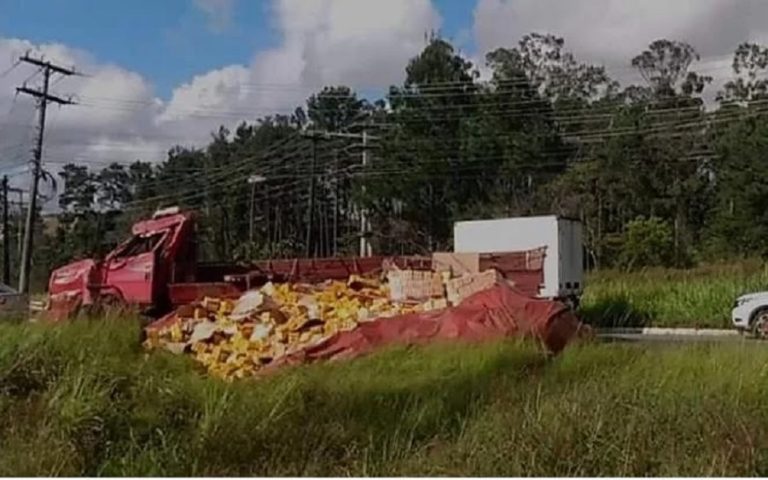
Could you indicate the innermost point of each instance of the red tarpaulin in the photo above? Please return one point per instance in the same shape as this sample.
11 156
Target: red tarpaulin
498 312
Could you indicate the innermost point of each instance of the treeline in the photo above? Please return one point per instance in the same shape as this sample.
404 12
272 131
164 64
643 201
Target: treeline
657 176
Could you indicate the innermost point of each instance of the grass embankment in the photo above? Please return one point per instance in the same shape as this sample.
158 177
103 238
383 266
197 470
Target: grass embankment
83 399
700 297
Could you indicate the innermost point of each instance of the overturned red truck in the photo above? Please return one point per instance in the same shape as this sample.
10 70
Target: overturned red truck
156 270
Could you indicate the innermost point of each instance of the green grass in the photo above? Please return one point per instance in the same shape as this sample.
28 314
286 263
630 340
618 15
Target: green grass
83 399
699 297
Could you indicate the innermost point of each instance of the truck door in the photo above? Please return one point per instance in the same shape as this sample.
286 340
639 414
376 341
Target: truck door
132 271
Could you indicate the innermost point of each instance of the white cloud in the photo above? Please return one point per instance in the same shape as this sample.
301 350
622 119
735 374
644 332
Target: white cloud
364 44
611 32
219 13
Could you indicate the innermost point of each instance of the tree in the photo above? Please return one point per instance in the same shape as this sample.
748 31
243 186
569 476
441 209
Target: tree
648 243
431 110
551 69
665 67
750 64
334 108
679 152
80 189
737 224
113 187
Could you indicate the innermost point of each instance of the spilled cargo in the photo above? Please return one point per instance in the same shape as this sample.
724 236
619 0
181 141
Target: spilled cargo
294 323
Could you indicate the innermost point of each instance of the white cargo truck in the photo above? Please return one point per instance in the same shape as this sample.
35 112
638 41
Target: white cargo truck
562 238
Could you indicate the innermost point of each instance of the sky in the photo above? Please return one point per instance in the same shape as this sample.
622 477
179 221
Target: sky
160 73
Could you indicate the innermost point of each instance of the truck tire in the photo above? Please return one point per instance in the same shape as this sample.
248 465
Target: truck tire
759 324
575 303
108 303
572 302
114 304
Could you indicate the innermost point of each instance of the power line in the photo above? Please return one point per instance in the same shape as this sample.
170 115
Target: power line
415 115
10 69
228 172
586 135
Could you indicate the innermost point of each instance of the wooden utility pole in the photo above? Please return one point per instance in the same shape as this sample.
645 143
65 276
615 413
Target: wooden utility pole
19 222
311 220
6 236
365 246
253 180
335 250
43 99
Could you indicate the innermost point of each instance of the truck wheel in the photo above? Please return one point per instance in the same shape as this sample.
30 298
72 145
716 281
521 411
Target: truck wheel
572 303
113 304
760 324
576 303
108 304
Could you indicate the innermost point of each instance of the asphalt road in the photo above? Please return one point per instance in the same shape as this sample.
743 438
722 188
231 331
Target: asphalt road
676 336
639 338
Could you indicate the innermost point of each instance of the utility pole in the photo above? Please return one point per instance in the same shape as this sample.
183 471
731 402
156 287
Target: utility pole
335 250
311 221
253 180
6 236
365 247
19 220
43 98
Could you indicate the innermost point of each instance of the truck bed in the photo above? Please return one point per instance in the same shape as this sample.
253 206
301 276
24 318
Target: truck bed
229 280
313 270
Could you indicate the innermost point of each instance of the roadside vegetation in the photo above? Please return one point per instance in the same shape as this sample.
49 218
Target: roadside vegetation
698 297
83 399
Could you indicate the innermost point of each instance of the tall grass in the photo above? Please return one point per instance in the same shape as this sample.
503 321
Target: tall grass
700 297
83 399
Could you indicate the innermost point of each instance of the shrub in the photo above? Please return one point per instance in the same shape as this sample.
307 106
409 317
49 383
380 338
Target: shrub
647 243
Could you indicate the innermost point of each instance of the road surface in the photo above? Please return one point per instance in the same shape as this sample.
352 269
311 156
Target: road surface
668 335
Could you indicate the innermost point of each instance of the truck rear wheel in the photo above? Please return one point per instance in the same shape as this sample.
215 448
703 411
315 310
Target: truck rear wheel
572 302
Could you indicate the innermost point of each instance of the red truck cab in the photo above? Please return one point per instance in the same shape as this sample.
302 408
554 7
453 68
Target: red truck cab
137 272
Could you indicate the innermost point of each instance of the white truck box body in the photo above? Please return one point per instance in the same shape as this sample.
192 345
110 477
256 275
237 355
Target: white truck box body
563 263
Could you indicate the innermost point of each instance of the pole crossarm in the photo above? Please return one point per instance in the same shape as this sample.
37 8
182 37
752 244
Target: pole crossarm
47 97
48 65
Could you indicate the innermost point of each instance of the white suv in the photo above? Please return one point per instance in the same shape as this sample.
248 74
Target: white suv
750 314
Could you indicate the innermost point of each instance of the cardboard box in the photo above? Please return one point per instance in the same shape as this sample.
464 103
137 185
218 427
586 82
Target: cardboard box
505 262
457 264
460 288
414 285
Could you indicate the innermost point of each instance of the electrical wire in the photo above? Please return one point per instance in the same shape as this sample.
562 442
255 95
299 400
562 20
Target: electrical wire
573 120
227 174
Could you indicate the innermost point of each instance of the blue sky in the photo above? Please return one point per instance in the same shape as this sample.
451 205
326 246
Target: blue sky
170 41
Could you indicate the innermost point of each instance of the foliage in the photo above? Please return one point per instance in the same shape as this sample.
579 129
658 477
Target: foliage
648 243
751 61
700 297
82 400
547 134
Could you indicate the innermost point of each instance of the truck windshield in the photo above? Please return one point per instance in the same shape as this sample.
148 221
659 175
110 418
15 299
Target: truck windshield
141 244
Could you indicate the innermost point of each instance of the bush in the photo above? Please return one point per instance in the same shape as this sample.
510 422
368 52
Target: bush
647 243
